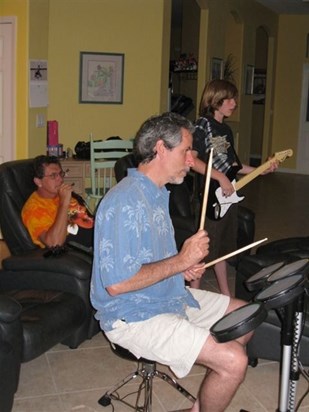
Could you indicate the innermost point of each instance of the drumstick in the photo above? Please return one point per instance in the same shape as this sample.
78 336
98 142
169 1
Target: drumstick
234 253
206 190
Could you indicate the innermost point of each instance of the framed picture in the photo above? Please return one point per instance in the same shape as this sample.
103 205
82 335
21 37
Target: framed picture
101 78
249 78
216 68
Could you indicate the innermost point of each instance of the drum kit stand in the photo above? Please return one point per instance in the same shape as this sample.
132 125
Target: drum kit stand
283 288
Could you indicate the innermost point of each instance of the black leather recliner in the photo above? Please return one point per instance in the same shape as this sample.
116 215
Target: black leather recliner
11 336
183 209
182 215
53 292
266 342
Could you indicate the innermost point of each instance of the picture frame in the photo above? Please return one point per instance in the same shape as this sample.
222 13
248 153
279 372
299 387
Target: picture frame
259 86
249 79
216 71
101 78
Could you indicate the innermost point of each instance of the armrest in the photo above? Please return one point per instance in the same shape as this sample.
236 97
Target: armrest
70 263
11 330
70 272
10 310
11 343
287 245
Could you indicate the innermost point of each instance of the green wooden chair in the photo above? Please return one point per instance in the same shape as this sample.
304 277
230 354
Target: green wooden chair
103 156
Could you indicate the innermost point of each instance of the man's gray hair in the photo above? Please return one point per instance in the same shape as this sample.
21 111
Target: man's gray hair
166 127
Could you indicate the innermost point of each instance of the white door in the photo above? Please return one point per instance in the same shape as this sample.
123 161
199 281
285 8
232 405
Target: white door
7 89
303 140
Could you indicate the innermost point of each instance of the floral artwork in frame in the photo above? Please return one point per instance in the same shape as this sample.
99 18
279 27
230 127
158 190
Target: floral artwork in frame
101 78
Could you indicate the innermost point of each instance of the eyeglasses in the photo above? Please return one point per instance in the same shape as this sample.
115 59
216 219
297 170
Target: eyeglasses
54 175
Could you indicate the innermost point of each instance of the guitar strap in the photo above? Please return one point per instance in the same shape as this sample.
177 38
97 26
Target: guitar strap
208 135
239 164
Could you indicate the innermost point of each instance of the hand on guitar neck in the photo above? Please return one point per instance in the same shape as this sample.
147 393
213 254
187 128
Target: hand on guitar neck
219 204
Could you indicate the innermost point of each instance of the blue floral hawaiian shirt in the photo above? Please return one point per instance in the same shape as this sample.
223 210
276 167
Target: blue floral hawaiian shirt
132 228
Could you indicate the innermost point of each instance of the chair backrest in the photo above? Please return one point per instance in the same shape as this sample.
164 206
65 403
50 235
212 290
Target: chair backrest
103 156
123 164
180 195
16 185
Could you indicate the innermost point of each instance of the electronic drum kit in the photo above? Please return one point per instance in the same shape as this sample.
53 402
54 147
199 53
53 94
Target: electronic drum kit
281 287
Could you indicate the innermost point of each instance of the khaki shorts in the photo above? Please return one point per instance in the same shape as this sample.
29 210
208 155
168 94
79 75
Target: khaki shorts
169 338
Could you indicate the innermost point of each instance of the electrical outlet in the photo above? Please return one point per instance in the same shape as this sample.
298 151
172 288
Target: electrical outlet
40 120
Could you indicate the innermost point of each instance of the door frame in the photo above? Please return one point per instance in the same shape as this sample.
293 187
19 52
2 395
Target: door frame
8 91
303 137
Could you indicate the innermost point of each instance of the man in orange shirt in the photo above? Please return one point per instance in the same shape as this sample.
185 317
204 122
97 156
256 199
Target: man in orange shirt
54 214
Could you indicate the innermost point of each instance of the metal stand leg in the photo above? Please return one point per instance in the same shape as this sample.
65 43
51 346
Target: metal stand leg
287 338
294 373
175 385
291 335
284 381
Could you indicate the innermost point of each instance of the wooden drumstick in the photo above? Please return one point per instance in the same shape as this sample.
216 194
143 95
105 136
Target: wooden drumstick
206 190
234 253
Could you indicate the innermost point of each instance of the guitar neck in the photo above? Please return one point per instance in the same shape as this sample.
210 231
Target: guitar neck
250 176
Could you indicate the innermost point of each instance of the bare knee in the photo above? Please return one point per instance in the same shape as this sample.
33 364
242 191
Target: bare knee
236 363
227 359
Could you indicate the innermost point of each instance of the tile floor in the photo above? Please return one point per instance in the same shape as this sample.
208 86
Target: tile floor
65 380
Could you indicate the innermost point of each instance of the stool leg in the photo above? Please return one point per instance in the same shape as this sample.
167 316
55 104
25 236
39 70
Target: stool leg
146 371
148 394
105 400
175 385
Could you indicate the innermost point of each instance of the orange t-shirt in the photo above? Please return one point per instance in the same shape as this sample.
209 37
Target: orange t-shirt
39 214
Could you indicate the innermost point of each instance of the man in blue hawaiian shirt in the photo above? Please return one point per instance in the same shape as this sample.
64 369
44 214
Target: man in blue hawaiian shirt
138 277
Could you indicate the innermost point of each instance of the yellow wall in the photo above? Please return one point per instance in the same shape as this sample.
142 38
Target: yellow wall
132 27
19 8
292 38
58 30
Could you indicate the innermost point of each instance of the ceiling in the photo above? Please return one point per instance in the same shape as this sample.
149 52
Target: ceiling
286 6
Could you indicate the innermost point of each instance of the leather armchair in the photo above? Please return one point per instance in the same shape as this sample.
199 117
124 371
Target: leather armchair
10 350
183 209
53 292
266 342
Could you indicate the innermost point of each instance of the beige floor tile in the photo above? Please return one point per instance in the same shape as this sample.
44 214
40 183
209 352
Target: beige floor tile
36 379
66 380
244 400
263 382
87 368
40 404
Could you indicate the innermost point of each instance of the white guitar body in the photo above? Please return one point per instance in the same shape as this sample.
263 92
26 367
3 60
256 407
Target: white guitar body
223 203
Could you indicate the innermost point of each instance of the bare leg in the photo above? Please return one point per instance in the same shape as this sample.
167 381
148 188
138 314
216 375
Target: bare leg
227 366
221 275
195 284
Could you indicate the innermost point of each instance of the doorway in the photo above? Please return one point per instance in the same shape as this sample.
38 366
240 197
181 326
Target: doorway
7 88
259 94
303 139
184 57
